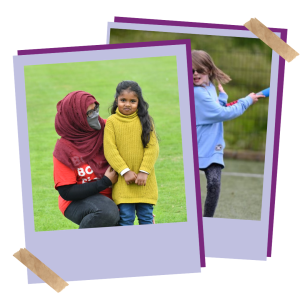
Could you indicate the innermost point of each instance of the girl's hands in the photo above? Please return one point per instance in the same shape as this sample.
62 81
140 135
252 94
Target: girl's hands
111 174
255 97
221 88
141 178
130 177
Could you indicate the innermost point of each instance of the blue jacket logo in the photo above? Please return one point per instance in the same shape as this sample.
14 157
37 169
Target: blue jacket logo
218 147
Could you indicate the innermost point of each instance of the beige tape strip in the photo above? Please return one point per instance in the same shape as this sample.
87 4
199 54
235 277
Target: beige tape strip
40 269
271 39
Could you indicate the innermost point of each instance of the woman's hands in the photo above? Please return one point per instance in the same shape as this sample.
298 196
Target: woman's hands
130 177
255 97
141 178
111 174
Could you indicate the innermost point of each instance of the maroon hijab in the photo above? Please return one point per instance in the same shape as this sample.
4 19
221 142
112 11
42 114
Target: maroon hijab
79 142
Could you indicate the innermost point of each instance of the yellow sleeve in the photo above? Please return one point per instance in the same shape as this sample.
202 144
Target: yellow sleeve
111 151
150 154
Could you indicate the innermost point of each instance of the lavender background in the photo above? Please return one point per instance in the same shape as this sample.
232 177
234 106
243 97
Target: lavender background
117 251
224 237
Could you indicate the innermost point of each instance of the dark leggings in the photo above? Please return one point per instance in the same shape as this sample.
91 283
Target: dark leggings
213 177
93 211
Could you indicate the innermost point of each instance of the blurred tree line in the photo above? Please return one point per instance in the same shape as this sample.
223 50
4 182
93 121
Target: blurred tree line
246 60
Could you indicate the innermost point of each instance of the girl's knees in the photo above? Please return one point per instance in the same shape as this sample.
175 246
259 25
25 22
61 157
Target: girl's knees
213 186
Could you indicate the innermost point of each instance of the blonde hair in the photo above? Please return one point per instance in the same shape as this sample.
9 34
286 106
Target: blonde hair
203 63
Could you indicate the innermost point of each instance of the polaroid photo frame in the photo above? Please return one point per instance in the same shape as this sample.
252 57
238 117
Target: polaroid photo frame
96 253
231 238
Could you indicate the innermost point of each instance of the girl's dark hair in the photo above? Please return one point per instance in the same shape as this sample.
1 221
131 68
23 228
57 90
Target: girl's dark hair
146 120
202 62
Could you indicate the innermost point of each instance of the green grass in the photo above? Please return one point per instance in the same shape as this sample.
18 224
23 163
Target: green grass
240 197
48 84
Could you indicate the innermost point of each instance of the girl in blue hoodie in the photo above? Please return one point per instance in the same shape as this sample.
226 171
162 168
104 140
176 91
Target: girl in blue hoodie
211 111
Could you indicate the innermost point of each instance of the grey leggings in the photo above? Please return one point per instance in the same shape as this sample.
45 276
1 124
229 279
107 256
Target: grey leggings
213 177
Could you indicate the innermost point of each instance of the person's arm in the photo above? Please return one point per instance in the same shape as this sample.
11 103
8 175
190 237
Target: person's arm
68 188
149 159
150 155
232 103
76 192
113 156
223 97
210 111
111 151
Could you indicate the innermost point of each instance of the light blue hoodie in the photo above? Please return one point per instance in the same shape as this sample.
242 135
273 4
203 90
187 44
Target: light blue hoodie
211 111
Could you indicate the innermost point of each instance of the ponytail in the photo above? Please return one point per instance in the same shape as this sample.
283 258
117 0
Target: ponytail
202 61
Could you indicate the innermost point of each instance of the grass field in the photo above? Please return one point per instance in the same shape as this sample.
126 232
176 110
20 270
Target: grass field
47 84
241 196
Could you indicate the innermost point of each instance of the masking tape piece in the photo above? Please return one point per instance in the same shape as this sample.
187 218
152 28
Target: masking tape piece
40 269
271 39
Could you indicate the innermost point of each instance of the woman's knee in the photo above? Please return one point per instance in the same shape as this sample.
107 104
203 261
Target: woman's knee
99 211
100 218
109 212
112 214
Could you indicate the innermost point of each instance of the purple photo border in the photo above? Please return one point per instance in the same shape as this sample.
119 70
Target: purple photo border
182 23
195 151
101 47
276 144
283 36
192 107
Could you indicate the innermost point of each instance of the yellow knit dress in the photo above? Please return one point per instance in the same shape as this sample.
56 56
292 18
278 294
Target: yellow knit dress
123 148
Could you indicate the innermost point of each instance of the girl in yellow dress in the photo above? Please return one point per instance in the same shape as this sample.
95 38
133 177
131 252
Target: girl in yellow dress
131 148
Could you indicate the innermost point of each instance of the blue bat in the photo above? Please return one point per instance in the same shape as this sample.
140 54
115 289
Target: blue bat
265 92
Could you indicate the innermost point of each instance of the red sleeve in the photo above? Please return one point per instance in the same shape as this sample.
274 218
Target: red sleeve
232 103
63 175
